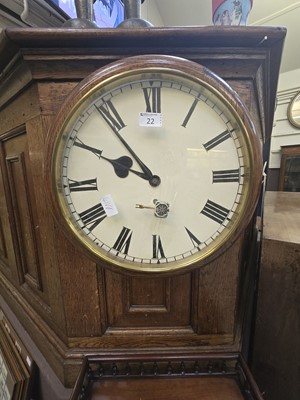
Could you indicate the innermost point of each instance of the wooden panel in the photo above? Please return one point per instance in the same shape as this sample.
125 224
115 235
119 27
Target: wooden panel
3 251
18 112
204 300
45 228
52 94
145 302
4 226
7 255
82 294
276 362
161 389
216 290
29 268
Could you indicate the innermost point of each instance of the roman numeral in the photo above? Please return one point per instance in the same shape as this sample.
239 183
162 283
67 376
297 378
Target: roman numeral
228 175
215 212
81 186
123 242
190 112
158 251
217 140
153 99
196 242
93 216
111 115
80 144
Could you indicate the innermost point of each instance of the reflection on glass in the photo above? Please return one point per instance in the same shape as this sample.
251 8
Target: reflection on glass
292 174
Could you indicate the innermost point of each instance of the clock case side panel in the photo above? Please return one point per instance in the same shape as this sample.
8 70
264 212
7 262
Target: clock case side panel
30 113
41 308
22 165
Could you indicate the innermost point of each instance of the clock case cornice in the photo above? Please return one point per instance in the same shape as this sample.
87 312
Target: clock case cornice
38 69
71 54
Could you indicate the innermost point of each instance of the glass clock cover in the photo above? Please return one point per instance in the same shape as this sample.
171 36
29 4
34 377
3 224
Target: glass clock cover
155 164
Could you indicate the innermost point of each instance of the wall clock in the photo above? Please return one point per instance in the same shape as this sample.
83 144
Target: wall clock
293 113
155 165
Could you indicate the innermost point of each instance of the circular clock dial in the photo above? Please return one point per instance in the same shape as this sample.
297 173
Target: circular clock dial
153 164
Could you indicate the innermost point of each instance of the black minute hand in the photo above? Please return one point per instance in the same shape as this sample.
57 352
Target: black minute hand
114 121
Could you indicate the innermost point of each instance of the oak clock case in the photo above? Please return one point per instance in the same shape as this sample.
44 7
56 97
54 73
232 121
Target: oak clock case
154 165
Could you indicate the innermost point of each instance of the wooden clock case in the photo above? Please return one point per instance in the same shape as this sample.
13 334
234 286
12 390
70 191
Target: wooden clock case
70 306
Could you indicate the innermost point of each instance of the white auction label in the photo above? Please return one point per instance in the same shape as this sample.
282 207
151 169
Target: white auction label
109 205
153 120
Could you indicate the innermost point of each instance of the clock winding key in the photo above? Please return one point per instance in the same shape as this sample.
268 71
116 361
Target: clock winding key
161 209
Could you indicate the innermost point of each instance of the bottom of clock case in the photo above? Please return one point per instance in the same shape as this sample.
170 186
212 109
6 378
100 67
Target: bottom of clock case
164 377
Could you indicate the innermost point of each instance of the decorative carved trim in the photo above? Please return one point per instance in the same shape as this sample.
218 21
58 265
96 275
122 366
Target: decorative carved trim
24 222
3 250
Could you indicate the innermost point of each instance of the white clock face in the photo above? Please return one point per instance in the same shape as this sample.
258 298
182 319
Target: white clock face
153 171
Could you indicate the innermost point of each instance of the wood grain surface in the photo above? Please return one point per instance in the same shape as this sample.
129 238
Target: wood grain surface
206 388
276 362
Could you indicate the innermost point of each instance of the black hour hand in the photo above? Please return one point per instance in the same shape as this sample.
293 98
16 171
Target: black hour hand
122 165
